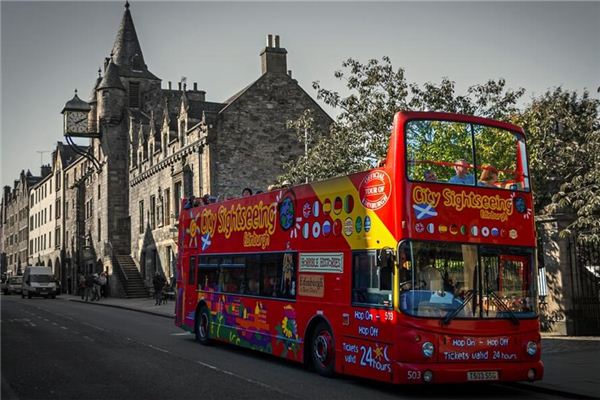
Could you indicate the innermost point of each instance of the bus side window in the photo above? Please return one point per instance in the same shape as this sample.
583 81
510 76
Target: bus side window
207 274
252 275
268 274
368 284
287 287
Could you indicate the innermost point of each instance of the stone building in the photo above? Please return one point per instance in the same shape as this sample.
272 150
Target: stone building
43 211
157 145
15 222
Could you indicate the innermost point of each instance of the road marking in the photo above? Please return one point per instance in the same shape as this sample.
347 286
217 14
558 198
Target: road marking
94 326
88 338
64 327
181 334
233 374
158 348
32 324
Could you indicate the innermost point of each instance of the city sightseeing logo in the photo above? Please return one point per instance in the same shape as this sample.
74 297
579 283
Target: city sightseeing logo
490 207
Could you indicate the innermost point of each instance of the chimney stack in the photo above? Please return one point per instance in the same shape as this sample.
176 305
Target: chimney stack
46 169
273 57
179 84
169 85
195 86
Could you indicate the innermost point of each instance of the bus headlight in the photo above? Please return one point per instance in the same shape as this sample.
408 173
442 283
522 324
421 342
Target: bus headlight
428 349
531 348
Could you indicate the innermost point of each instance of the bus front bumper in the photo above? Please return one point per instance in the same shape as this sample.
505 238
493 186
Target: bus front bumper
408 373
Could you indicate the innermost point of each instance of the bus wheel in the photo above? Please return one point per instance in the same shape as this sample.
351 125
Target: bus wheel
202 325
323 350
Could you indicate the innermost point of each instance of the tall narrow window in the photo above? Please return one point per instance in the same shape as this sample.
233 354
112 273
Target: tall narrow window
153 211
141 216
99 230
167 206
134 94
177 197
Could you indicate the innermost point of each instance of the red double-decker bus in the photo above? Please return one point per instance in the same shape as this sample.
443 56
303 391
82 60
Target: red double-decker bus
422 270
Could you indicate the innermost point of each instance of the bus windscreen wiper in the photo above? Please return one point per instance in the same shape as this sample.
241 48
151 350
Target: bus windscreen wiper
503 307
452 314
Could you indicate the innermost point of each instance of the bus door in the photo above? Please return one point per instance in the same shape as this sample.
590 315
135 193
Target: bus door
367 342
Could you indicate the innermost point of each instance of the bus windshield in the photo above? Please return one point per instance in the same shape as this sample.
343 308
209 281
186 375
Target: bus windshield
453 280
465 154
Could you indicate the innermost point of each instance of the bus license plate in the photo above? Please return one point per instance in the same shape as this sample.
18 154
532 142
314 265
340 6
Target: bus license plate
482 376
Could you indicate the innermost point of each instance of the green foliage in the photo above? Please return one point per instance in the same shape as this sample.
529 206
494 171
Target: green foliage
562 132
564 151
376 92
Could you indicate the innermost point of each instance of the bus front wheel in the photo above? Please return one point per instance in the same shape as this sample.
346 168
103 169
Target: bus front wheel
323 350
202 325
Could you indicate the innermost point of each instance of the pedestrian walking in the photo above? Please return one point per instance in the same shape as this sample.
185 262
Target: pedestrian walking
81 286
96 288
89 287
158 282
103 281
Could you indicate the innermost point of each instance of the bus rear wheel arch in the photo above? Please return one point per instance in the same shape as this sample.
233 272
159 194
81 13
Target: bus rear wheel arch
202 324
322 349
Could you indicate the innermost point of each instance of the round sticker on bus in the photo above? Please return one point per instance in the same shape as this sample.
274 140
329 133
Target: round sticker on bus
286 213
375 189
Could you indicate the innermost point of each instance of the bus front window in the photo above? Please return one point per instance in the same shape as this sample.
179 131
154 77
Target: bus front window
461 153
466 281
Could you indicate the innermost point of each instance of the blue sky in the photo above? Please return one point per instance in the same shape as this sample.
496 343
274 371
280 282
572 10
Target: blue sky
50 48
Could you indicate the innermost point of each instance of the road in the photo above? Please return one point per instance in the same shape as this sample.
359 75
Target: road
58 349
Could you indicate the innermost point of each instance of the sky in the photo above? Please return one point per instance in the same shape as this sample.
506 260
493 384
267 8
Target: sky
49 49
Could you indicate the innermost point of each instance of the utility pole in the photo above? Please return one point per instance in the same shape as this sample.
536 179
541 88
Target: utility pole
306 150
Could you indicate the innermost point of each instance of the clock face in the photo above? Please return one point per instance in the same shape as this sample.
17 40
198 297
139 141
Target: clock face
76 122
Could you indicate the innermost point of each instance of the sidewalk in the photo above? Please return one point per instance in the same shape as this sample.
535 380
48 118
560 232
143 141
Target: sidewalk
144 304
572 364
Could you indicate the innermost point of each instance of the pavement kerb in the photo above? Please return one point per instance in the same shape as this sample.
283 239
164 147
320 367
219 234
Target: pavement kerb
121 307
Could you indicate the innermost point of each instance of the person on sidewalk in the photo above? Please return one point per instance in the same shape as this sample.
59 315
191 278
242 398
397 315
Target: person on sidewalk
81 286
96 288
158 282
89 287
103 281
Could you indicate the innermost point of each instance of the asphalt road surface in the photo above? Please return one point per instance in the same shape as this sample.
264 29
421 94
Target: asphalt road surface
58 349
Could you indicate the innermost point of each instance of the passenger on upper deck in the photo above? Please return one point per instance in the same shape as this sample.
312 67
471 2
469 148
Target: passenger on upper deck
246 192
489 176
430 176
461 167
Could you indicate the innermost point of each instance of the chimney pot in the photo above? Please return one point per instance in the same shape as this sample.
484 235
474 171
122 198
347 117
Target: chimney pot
195 86
179 85
290 73
277 41
169 85
184 86
269 40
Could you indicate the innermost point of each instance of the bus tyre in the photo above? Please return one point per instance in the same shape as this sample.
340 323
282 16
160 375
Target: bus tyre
323 350
202 325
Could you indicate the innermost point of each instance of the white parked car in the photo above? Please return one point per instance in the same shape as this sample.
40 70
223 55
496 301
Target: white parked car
13 285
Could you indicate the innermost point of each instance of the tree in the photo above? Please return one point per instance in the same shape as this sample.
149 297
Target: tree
359 136
564 150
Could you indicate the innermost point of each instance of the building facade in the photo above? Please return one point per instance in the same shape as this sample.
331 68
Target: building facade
155 145
43 210
15 222
166 143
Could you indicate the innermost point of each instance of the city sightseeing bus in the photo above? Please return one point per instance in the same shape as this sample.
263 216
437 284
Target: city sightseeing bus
421 270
